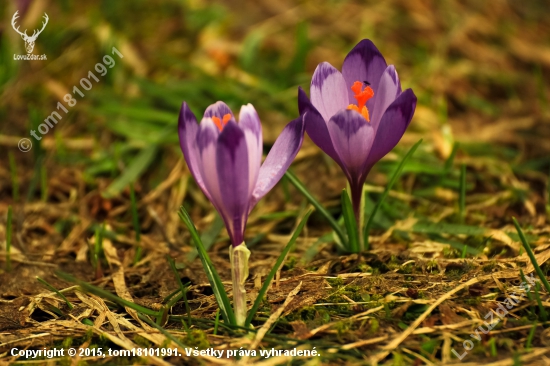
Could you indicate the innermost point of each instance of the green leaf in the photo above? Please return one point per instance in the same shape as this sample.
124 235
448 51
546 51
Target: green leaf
51 288
271 274
351 224
337 229
462 196
527 248
208 237
392 181
105 294
132 172
213 277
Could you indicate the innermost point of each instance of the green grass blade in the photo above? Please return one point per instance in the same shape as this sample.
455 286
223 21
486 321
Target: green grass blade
449 162
135 222
14 180
9 229
350 223
531 336
43 184
51 288
462 196
527 248
166 333
183 289
213 277
542 311
105 294
271 274
392 181
337 229
208 237
529 296
132 172
217 322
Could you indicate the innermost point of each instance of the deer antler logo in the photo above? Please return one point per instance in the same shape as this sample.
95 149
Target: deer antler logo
29 41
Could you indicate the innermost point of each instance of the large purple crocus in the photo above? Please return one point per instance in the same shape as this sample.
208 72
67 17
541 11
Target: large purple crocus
225 157
358 115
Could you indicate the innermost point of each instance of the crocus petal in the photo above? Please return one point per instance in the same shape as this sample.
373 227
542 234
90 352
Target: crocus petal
315 126
233 174
363 63
352 137
218 109
392 126
207 140
250 124
328 90
388 90
187 131
280 157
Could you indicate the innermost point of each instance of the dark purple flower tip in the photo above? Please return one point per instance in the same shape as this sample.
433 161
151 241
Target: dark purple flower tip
219 110
392 126
352 137
315 126
280 157
323 71
363 63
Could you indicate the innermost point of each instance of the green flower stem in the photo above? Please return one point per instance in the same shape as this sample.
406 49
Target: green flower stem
239 272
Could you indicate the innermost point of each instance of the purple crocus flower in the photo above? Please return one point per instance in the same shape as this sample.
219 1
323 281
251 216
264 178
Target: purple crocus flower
225 157
358 115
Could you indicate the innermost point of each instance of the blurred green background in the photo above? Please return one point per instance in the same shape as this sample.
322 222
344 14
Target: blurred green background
479 69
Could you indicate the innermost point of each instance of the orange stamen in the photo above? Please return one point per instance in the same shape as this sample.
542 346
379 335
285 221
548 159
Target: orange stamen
217 122
220 123
226 118
362 96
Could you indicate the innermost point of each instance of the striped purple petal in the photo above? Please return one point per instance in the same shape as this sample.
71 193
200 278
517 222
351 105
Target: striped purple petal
392 126
328 90
388 90
352 137
280 157
187 131
315 126
207 141
250 124
233 176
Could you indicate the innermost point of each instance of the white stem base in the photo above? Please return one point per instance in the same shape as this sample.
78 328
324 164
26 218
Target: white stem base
239 272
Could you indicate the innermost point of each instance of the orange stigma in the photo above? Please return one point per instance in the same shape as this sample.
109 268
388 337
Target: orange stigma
362 96
220 123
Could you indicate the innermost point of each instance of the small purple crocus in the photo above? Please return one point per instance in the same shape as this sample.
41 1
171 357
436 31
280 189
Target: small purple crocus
358 115
225 158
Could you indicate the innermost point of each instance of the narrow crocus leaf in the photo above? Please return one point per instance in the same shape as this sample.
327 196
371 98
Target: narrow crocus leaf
105 294
351 224
271 274
213 277
166 333
337 229
183 288
392 181
51 288
529 251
